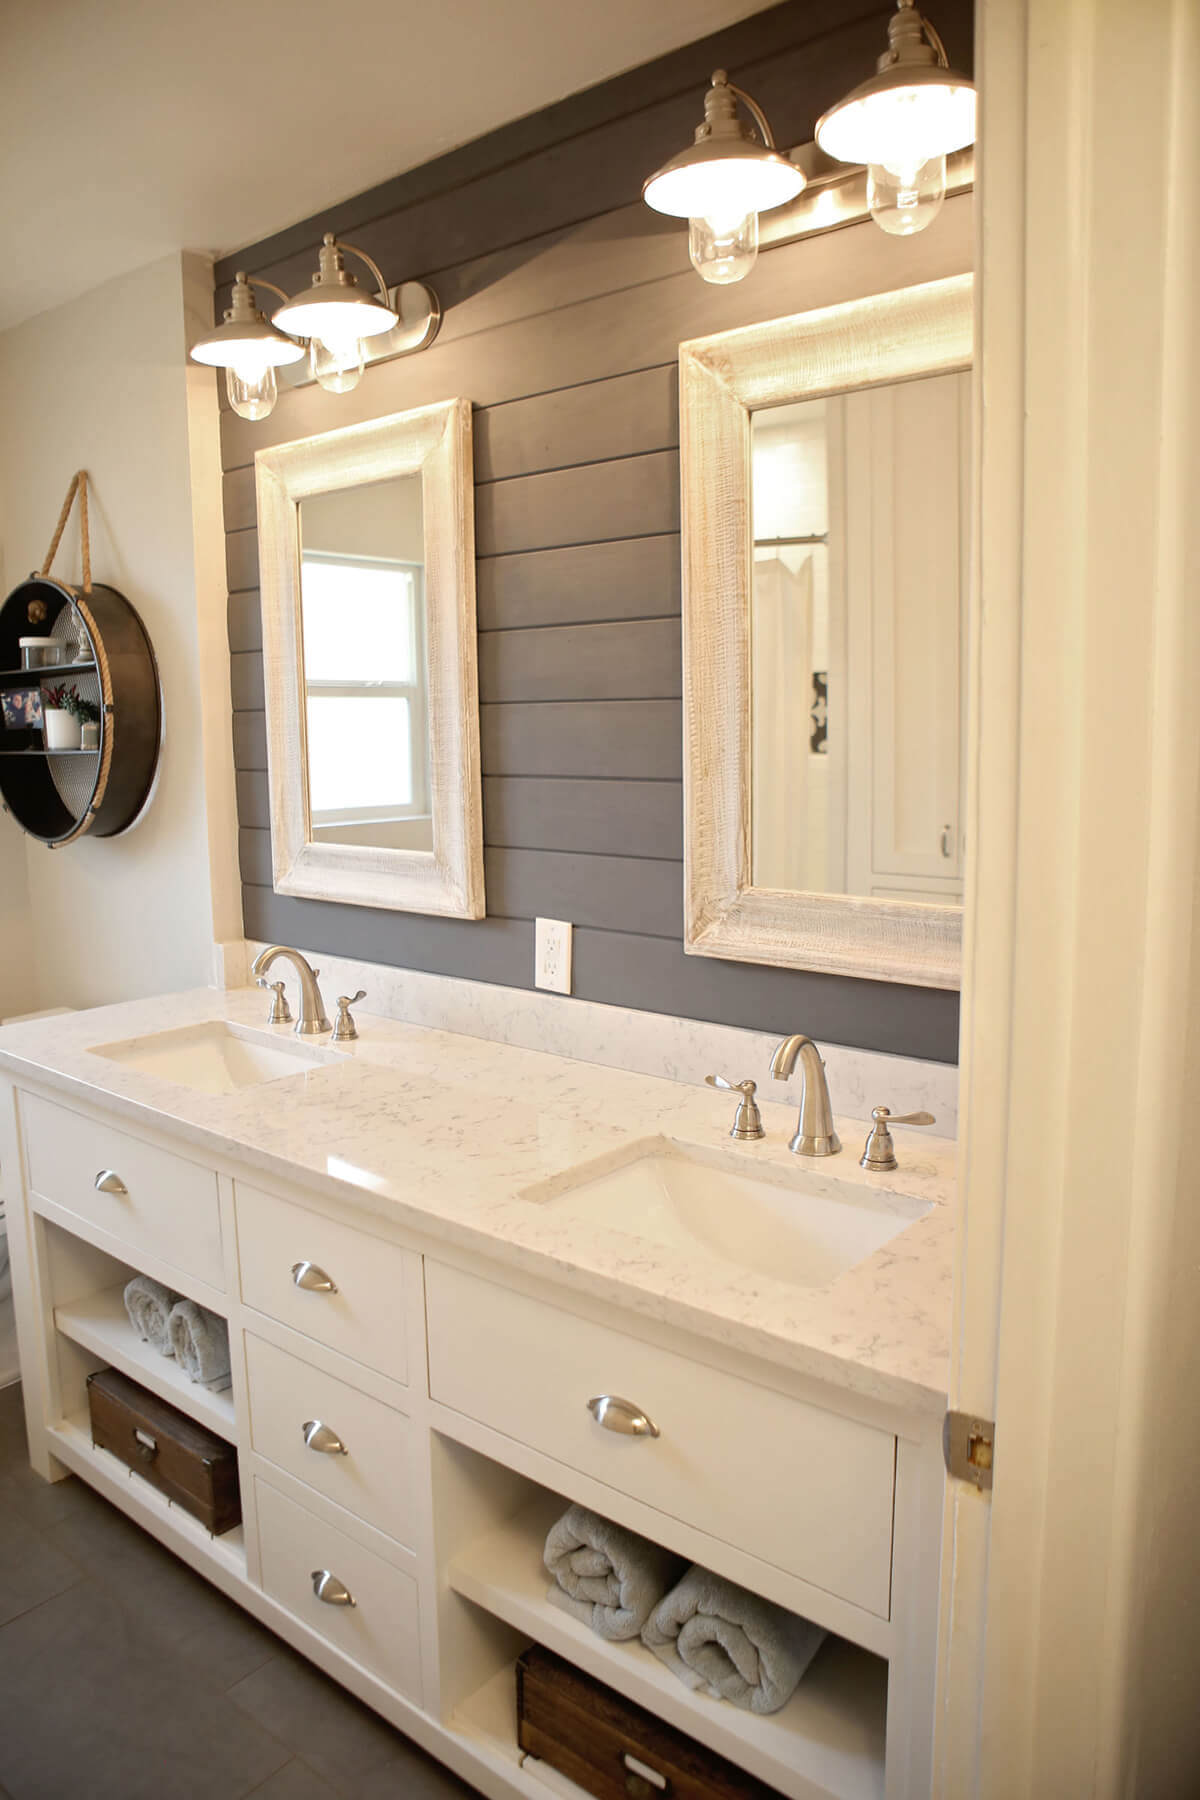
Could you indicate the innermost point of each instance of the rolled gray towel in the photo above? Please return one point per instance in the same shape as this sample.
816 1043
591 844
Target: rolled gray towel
733 1644
200 1340
604 1576
149 1304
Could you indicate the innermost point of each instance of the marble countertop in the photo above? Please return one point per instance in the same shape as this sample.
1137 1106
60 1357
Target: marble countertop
444 1134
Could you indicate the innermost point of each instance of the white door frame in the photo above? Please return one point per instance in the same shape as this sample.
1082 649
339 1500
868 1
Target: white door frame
1069 1645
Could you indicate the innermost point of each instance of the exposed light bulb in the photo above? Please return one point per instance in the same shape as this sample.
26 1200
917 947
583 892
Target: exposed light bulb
723 247
336 363
252 388
905 198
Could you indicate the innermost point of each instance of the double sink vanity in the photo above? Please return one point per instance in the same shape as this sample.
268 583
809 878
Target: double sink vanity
479 1268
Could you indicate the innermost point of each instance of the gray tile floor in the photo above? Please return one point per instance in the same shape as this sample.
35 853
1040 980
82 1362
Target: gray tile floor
124 1676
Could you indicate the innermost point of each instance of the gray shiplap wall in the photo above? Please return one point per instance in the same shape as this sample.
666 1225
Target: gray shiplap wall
565 304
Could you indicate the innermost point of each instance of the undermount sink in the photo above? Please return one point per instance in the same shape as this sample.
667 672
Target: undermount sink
805 1227
218 1058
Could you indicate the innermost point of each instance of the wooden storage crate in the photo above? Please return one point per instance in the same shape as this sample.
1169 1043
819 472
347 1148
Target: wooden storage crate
192 1466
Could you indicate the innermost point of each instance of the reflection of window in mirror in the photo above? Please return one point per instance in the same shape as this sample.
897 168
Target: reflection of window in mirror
857 642
362 585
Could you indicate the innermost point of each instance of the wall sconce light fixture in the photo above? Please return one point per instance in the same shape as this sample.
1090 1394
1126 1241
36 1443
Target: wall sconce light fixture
340 321
249 349
721 183
903 123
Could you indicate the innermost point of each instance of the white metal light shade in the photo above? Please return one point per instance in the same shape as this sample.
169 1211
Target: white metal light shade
245 340
335 308
905 116
728 176
915 107
725 173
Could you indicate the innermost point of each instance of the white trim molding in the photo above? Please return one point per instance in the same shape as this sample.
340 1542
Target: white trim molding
925 330
434 441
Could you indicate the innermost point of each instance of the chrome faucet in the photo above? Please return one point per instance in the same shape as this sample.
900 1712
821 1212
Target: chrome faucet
312 1008
815 1135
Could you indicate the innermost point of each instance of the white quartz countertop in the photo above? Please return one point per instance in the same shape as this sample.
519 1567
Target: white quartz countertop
443 1134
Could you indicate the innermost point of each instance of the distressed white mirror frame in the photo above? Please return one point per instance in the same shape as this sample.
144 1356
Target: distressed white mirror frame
926 330
434 442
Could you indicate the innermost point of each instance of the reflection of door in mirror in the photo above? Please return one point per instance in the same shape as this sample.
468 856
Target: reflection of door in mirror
857 642
362 589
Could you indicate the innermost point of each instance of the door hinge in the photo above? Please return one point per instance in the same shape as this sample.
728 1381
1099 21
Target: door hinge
969 1447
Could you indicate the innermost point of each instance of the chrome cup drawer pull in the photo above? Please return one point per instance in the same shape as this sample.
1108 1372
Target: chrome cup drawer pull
313 1279
620 1415
328 1588
109 1182
319 1437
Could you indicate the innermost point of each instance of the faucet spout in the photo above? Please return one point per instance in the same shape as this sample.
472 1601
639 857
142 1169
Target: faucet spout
815 1135
312 1018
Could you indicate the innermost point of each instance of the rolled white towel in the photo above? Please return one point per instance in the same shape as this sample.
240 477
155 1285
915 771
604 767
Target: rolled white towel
605 1576
200 1340
149 1304
733 1644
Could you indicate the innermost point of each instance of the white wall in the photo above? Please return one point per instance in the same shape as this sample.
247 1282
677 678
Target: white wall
102 383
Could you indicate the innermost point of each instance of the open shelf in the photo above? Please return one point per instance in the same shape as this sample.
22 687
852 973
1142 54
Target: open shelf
41 750
71 1441
101 1324
828 1739
30 677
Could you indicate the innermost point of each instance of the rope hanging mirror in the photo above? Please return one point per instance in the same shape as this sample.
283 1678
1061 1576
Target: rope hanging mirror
80 698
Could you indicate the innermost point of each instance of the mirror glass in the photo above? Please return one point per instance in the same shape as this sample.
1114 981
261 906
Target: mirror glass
857 639
366 689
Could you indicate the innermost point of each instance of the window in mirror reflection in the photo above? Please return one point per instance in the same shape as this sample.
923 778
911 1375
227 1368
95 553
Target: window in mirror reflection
857 641
362 599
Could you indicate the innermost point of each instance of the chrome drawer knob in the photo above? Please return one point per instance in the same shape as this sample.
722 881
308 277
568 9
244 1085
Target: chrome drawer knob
313 1279
319 1437
620 1415
109 1182
328 1588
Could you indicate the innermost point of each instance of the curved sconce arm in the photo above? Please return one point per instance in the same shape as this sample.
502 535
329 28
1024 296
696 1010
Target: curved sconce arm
341 244
756 111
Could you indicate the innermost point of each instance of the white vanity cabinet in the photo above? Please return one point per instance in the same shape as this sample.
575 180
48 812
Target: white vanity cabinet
411 1417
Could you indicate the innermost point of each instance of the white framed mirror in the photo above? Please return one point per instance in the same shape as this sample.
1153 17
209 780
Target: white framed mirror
825 476
367 560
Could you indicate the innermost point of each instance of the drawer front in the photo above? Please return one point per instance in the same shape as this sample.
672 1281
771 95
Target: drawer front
169 1206
380 1630
365 1317
798 1487
371 1476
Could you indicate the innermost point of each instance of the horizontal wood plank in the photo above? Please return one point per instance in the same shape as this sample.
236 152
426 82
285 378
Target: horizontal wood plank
238 499
253 799
632 660
245 620
632 497
241 560
631 578
618 818
628 416
497 950
250 740
638 740
246 681
615 893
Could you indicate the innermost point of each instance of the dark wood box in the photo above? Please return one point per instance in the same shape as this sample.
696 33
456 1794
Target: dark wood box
193 1467
614 1749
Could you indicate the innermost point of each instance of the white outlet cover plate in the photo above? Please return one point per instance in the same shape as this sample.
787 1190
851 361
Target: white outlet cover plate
552 955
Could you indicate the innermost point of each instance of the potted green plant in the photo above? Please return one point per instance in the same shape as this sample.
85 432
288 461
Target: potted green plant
64 714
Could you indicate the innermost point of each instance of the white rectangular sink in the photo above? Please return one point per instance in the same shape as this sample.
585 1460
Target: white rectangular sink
804 1227
218 1058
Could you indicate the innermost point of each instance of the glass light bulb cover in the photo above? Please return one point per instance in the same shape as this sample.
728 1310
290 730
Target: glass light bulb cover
338 366
727 180
895 121
252 391
335 313
723 250
904 201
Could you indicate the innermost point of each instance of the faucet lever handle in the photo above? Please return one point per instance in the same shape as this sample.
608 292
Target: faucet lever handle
747 1121
281 1012
345 1027
879 1152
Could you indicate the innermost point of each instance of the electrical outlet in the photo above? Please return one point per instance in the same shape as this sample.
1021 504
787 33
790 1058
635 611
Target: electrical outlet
552 955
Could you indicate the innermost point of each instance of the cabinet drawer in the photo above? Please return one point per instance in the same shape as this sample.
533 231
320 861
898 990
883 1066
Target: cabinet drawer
371 1477
380 1630
799 1487
365 1316
169 1207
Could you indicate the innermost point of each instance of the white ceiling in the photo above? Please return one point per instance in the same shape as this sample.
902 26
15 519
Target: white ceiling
132 128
